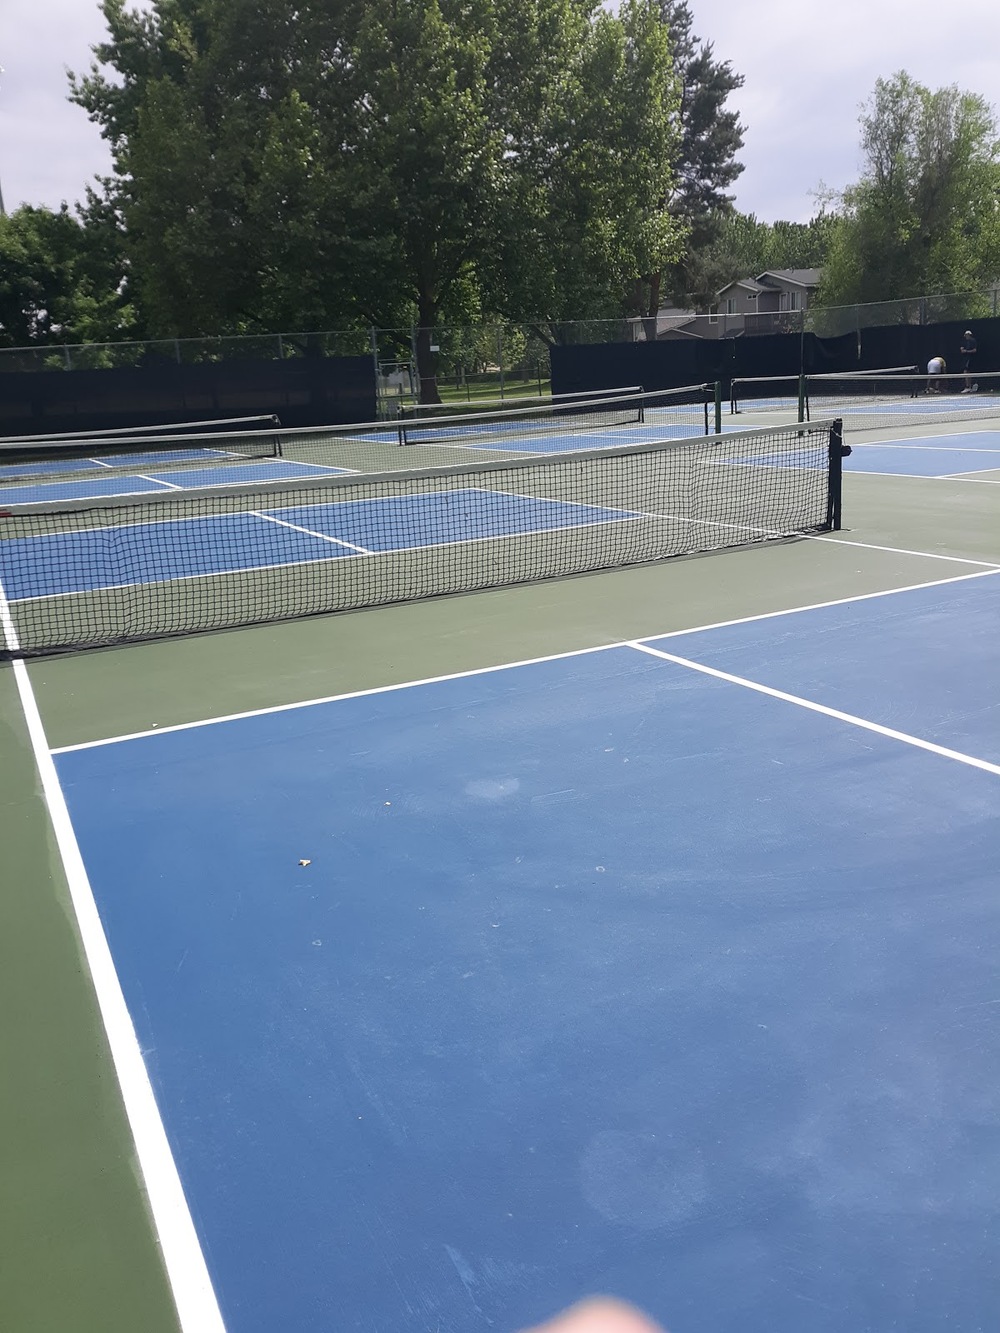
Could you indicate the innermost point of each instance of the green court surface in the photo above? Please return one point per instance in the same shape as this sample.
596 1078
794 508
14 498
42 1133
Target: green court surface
77 1246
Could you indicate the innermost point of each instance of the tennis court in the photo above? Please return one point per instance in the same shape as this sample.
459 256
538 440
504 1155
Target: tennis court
969 455
231 543
631 932
270 454
869 401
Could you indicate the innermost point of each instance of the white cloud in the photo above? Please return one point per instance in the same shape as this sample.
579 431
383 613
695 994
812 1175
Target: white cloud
808 66
49 150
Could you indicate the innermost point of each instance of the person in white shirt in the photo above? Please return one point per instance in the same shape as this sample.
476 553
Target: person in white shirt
935 367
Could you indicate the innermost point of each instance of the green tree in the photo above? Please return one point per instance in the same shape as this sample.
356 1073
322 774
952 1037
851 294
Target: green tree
427 148
705 163
60 280
280 162
227 120
925 215
586 176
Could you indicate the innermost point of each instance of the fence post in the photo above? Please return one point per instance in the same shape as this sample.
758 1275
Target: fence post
500 356
373 339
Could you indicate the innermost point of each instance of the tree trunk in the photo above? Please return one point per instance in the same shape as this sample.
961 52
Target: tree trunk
426 359
649 320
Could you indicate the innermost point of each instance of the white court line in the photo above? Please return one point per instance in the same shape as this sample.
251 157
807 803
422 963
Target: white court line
821 606
909 476
190 1283
976 481
510 666
938 435
78 499
969 472
322 469
929 448
158 481
901 550
323 536
813 707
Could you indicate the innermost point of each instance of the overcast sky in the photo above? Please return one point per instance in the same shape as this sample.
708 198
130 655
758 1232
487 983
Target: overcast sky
808 65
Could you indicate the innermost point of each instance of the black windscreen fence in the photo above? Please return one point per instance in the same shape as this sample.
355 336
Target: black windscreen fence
671 363
301 391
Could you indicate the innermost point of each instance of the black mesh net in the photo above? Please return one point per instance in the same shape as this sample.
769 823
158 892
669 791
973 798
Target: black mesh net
105 571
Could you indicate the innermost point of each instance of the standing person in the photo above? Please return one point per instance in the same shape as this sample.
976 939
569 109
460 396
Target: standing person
935 367
968 353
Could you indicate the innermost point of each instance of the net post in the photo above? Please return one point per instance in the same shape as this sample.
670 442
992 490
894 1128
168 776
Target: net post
835 491
718 407
803 405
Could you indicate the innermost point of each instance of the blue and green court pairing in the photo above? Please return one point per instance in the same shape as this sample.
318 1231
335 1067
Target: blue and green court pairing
433 965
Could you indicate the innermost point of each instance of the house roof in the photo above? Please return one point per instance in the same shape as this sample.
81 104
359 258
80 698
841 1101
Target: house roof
799 277
751 284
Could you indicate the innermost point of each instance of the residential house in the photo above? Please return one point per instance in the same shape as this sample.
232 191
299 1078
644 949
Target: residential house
771 302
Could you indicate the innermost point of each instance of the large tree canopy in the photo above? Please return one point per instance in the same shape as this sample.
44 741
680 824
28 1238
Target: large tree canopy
280 163
925 215
586 176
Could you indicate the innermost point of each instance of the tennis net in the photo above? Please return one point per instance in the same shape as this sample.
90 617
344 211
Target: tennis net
465 406
37 471
883 400
175 427
32 458
870 400
107 571
563 415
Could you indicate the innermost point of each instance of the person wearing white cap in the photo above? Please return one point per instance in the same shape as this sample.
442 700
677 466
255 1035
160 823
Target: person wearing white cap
968 352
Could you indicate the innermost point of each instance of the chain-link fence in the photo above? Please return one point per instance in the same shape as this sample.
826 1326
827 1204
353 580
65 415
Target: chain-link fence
495 361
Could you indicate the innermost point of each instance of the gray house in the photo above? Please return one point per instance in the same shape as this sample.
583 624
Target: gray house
771 302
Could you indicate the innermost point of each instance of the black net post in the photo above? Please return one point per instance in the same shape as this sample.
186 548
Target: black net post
835 491
718 407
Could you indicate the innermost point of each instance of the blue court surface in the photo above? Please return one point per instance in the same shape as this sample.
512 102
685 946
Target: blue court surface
123 483
604 974
152 552
112 462
929 406
930 456
560 442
